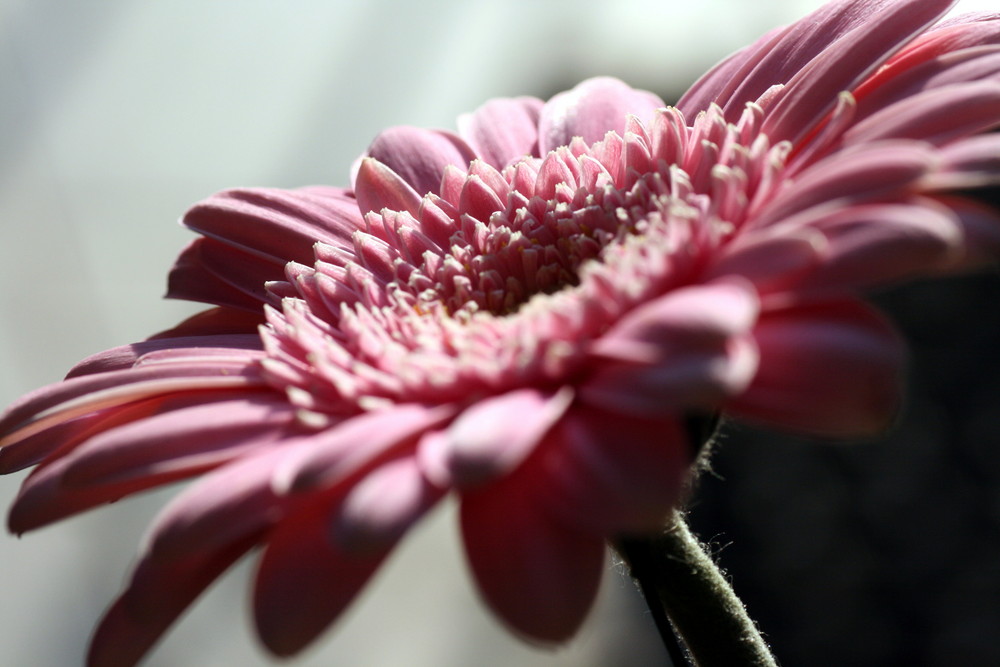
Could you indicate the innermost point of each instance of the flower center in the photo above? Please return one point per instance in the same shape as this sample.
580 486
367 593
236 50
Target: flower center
505 277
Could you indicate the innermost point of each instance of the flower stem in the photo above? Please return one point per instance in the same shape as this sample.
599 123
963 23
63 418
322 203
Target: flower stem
689 596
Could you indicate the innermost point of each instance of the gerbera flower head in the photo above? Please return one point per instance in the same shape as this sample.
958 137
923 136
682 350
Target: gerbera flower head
524 314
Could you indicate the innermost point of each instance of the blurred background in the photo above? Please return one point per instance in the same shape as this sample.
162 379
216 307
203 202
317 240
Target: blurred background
116 116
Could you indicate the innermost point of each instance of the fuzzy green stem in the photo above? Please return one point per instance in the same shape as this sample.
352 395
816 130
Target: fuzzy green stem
681 582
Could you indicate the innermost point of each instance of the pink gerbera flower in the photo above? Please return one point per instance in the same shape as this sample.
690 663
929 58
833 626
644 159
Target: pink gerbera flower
524 314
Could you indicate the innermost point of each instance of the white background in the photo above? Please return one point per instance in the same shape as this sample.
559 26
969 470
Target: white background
116 116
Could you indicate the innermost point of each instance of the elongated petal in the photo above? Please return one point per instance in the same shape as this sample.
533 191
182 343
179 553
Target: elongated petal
196 436
539 576
304 581
980 229
157 593
354 443
226 505
592 109
937 116
382 506
492 437
967 164
280 225
89 393
213 272
880 171
878 244
687 349
771 259
813 89
125 356
831 369
66 435
141 449
611 474
191 280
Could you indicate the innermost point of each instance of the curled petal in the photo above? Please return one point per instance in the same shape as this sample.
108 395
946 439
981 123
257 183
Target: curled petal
378 187
592 109
420 156
209 272
225 506
830 369
503 130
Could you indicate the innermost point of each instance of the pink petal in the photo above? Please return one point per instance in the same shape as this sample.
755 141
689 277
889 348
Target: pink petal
880 30
965 66
191 280
612 474
688 348
591 110
830 369
280 225
966 164
719 84
156 595
879 171
382 506
770 258
503 130
877 244
197 436
935 52
215 272
419 156
491 437
215 322
539 576
304 581
378 187
354 443
980 229
125 356
224 506
81 395
146 445
937 116
65 436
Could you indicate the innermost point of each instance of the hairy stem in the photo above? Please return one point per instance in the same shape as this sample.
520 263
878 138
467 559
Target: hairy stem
681 583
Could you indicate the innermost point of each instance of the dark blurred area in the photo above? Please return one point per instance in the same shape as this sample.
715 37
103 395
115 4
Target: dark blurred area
885 552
